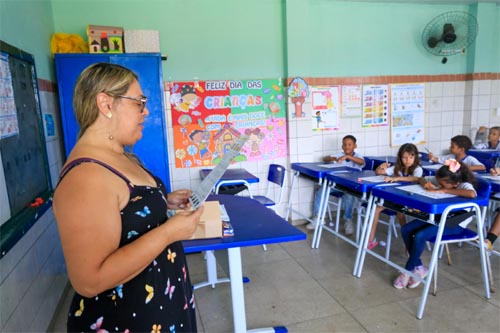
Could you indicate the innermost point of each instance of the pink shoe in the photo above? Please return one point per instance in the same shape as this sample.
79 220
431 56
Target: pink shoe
401 281
372 244
420 271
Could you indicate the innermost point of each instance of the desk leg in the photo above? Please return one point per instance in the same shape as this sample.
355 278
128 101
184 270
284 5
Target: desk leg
319 219
371 206
238 296
237 292
295 175
211 272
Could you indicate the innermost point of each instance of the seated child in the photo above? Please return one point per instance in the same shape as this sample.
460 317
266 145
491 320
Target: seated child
493 139
454 178
407 169
459 146
349 158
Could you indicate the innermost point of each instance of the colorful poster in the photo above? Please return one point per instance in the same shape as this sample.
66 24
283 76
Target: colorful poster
351 101
208 116
8 111
375 105
325 107
407 113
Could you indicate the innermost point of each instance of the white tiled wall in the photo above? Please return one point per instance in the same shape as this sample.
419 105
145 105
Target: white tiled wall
452 108
33 274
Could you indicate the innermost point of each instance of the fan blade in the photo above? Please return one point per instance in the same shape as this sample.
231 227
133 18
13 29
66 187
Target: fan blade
432 42
449 35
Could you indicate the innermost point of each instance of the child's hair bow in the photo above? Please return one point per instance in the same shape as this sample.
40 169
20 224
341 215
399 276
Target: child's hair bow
453 165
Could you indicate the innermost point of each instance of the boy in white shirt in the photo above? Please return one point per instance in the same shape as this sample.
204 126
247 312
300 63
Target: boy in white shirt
459 146
350 159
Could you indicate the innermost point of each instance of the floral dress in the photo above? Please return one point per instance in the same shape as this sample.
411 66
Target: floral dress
160 298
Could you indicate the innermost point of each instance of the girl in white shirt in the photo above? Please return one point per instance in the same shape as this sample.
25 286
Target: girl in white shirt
406 169
454 178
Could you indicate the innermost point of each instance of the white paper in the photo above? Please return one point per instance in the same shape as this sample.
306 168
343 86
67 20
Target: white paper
417 189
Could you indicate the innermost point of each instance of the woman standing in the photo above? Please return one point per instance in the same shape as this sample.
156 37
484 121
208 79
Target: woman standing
123 254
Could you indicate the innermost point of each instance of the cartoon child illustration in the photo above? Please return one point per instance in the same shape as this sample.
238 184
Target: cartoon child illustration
187 99
201 139
318 118
255 139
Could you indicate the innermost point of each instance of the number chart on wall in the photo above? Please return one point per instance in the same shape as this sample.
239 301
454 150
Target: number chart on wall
209 116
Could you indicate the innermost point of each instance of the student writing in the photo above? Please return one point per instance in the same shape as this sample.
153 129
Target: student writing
454 178
406 169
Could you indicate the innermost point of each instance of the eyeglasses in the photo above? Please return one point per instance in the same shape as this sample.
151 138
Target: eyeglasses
143 101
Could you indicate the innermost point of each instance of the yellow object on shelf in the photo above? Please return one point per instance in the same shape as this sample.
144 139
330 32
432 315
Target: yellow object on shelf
68 43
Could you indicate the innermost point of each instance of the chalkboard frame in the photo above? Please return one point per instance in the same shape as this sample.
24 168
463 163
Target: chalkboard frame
22 220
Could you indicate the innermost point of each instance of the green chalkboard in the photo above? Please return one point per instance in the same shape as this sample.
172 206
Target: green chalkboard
23 151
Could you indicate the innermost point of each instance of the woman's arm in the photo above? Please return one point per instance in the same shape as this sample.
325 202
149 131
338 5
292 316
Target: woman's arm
87 206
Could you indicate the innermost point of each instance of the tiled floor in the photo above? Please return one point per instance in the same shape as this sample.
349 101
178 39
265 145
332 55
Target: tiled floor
314 291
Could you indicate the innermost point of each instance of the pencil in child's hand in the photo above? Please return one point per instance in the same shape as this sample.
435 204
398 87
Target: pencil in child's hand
427 150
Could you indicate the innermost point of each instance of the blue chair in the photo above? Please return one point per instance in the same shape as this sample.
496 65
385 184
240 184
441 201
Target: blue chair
423 156
275 181
488 163
461 214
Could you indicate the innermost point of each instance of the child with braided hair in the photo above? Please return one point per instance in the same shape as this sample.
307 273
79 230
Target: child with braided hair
454 178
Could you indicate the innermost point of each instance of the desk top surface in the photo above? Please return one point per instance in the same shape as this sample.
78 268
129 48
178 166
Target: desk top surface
493 180
484 153
253 223
423 203
320 169
233 174
392 160
355 181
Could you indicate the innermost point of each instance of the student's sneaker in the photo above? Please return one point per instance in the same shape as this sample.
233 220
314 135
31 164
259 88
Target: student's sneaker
372 244
348 227
420 271
487 244
312 225
401 281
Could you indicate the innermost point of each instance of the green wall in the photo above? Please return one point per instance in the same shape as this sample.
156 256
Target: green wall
205 39
227 39
28 25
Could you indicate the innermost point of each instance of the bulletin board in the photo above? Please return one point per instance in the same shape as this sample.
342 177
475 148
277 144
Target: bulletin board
24 175
208 117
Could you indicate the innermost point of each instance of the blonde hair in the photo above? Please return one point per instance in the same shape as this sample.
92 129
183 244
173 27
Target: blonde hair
111 79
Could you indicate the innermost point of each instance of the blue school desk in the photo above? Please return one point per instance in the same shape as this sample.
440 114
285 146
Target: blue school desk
233 175
317 172
392 196
487 154
351 183
254 224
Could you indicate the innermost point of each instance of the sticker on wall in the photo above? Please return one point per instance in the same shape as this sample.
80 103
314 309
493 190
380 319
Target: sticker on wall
209 116
298 91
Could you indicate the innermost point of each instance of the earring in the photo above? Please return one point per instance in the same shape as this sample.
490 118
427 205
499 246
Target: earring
110 137
109 115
